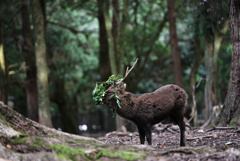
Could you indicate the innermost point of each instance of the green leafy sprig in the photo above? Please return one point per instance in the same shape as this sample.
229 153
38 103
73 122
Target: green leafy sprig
100 91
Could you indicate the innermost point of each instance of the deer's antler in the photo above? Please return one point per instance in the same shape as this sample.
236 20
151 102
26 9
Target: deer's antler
128 71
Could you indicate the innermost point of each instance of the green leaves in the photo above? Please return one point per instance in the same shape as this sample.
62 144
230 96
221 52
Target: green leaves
113 79
100 91
117 100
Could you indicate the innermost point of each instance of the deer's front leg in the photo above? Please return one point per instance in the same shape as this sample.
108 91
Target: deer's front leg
141 134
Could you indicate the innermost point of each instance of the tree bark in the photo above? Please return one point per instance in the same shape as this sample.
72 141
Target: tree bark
174 44
231 111
198 59
41 63
218 36
31 72
112 57
208 93
114 50
115 28
104 60
104 65
121 44
3 68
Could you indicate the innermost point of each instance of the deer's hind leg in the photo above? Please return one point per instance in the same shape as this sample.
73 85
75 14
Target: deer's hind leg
177 117
141 134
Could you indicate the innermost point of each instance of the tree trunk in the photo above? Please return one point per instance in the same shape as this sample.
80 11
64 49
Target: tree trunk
115 28
3 69
174 44
217 44
208 50
121 48
65 108
231 110
198 45
31 73
104 65
110 40
113 51
104 61
41 62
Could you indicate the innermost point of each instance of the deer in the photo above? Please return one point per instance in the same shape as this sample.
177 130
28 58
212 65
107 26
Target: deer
147 109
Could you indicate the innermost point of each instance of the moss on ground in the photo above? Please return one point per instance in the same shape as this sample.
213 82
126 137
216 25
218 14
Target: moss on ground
126 155
66 152
17 140
93 154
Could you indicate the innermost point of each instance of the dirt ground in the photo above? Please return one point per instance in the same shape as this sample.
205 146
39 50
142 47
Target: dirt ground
217 143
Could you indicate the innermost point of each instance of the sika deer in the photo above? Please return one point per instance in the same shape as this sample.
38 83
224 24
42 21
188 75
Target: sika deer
148 109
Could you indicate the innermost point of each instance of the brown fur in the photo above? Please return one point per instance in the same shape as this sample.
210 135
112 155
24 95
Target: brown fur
148 109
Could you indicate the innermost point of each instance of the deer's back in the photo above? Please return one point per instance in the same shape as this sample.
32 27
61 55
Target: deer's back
156 106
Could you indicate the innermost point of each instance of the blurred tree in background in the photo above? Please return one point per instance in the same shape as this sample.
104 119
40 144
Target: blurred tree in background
87 41
30 60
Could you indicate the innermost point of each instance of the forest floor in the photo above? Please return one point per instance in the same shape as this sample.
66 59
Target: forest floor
23 139
209 144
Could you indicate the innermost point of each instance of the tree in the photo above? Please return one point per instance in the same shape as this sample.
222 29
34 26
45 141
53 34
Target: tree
199 54
3 67
174 44
31 73
121 40
231 109
69 124
41 63
111 42
213 35
104 61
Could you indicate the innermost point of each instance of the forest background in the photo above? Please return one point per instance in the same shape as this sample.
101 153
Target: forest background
85 42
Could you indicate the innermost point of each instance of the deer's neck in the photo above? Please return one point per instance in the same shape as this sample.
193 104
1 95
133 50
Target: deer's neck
128 105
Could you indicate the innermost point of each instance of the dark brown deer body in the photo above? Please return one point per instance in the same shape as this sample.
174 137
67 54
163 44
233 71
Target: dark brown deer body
148 109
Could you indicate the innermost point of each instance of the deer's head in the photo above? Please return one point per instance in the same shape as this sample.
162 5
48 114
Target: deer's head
109 90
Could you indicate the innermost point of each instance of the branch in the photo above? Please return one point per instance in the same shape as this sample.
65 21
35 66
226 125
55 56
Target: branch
200 137
72 29
220 128
128 71
194 100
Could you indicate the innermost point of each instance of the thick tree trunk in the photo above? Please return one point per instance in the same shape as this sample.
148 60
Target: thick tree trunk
231 109
104 60
104 65
31 73
174 44
41 61
113 51
3 68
